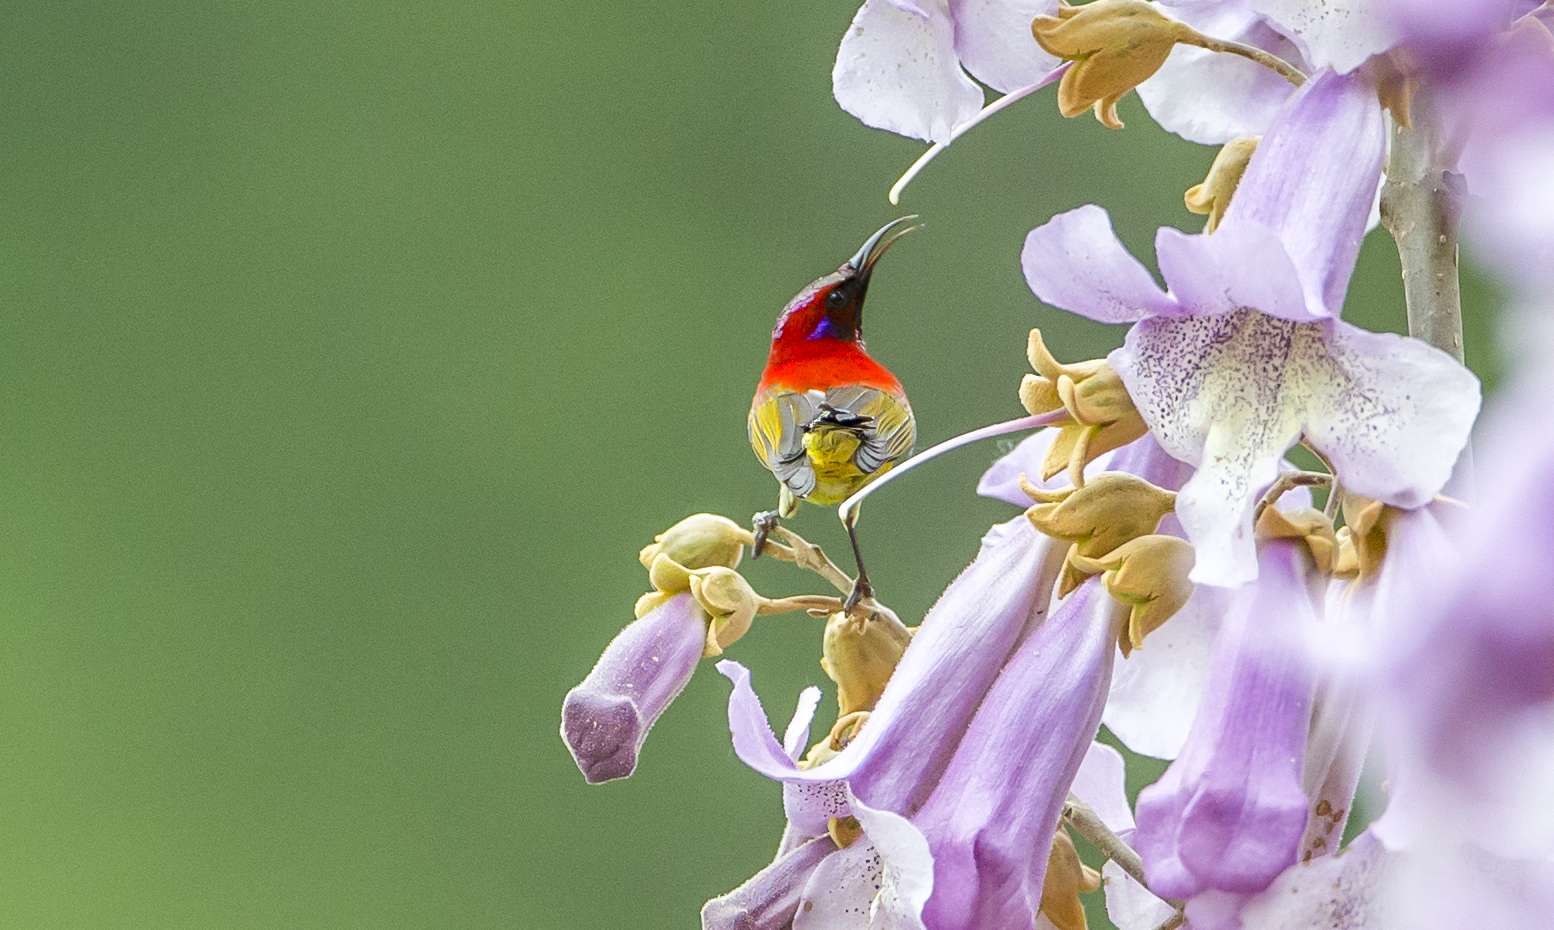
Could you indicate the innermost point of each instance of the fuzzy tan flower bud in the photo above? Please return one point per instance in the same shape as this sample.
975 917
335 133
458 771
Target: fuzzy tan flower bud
1212 197
1362 543
1106 512
1067 879
1149 575
1095 399
1310 526
729 600
701 540
860 652
1115 45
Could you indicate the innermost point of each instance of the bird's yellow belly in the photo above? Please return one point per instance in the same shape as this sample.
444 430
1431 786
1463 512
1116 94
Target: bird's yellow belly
831 454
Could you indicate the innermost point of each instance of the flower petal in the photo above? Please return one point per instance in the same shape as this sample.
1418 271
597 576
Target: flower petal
1101 782
770 899
1224 272
1209 97
841 891
1229 813
1001 481
1391 413
795 739
606 718
1075 261
897 71
1214 392
906 873
993 39
1331 892
1130 905
1156 692
1337 34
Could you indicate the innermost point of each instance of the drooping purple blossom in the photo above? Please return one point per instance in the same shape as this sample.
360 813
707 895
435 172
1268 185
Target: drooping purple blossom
1229 813
1245 353
606 718
974 855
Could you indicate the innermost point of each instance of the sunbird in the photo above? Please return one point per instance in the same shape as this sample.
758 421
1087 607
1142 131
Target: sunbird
827 418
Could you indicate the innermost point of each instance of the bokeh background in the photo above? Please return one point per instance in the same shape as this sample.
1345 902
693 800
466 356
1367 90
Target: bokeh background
348 353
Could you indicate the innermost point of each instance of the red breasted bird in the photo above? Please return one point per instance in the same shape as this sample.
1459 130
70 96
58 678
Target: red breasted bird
827 418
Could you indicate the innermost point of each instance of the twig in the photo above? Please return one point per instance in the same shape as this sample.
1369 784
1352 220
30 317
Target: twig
1084 821
1288 482
806 555
1268 60
1174 921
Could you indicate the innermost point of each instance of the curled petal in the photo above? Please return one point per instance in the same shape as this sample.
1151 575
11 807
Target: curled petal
1102 784
1074 261
796 737
897 70
1155 693
1332 892
606 718
840 893
1130 905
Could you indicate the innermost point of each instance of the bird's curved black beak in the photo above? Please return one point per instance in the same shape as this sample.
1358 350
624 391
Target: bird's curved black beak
879 243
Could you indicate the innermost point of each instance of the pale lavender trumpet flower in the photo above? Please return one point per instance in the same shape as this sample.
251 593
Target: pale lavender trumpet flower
606 718
902 65
975 855
963 642
1245 353
771 898
1229 813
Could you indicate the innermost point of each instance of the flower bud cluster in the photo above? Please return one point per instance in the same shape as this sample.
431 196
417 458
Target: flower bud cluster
1115 45
1102 414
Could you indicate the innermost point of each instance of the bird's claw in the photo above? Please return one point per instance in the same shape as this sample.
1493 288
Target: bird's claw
762 524
862 591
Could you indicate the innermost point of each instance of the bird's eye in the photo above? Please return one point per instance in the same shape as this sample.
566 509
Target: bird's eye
837 299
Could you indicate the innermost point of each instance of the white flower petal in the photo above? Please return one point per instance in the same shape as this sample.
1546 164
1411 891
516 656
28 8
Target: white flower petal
1156 690
1209 97
994 41
1130 905
1218 392
796 738
1337 34
1331 892
906 879
1391 413
841 890
898 71
1101 782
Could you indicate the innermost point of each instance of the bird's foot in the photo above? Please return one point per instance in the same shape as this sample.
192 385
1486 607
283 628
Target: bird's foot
862 592
762 524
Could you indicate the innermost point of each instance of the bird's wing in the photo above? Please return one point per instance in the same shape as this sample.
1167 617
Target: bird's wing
891 434
776 425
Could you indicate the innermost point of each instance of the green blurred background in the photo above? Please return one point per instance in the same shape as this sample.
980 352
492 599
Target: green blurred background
349 351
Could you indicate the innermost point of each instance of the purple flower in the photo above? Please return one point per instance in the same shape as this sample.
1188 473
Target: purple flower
974 856
956 654
902 63
606 718
1229 813
1245 354
769 900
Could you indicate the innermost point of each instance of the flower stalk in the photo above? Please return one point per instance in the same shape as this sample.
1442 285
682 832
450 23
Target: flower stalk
1421 203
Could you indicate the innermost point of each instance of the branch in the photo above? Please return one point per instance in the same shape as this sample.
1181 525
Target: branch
1420 206
1421 203
805 554
1085 822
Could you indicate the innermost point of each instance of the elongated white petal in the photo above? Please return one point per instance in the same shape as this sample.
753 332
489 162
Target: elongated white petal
1156 692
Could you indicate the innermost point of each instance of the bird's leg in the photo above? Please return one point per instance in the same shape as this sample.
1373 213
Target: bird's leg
862 589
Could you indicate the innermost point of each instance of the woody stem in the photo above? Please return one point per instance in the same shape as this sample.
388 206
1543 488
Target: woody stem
807 555
1268 60
1421 203
1085 822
